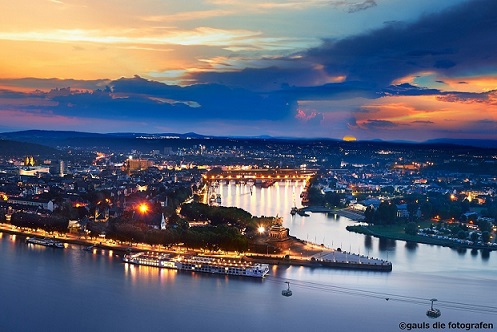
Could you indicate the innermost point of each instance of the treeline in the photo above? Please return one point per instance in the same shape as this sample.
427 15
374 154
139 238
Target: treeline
329 199
223 232
31 220
385 214
217 215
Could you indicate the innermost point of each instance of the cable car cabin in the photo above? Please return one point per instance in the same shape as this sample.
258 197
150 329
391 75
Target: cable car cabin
433 312
287 292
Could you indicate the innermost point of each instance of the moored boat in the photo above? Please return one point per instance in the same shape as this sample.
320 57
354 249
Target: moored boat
194 263
45 242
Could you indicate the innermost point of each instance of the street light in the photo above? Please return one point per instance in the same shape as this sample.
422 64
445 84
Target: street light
261 229
143 208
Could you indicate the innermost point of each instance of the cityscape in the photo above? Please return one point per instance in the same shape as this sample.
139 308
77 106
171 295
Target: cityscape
213 165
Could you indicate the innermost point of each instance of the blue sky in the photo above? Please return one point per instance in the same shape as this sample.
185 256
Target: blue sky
383 69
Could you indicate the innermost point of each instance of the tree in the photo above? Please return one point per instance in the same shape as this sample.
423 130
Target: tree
369 214
332 199
484 226
426 210
412 208
315 196
411 228
386 213
474 236
485 236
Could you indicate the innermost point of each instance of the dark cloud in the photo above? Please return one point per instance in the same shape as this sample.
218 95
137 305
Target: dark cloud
137 98
489 97
457 40
444 64
266 79
407 89
353 7
379 124
362 6
422 122
51 83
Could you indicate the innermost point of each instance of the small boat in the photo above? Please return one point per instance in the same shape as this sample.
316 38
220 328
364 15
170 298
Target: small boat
294 210
433 312
89 248
302 213
287 292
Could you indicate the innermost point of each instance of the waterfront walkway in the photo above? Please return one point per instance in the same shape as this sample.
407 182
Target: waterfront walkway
346 257
347 212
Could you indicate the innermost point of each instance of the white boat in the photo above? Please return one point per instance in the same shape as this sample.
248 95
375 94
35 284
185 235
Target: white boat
199 264
45 242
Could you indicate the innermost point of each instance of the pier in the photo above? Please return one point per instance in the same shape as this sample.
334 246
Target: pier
294 251
337 260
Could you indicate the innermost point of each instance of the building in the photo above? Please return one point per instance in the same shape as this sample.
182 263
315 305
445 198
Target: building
44 204
133 165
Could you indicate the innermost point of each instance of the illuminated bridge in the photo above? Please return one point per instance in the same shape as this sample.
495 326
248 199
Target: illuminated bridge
259 174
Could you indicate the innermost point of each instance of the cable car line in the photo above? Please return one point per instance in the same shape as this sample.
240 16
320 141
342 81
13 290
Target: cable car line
385 296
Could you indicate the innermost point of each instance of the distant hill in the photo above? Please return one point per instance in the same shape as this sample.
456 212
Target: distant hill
10 148
492 144
126 141
47 137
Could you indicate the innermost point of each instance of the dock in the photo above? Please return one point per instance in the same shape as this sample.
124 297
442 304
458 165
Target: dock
325 258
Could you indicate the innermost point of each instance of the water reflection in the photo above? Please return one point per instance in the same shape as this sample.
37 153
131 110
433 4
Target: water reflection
386 244
485 254
411 246
368 242
139 273
329 229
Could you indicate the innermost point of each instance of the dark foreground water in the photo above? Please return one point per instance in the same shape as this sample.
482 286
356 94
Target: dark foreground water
46 289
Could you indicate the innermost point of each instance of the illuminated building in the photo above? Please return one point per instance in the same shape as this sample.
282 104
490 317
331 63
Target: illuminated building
133 165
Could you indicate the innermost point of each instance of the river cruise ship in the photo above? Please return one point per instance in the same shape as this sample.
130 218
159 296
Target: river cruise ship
199 264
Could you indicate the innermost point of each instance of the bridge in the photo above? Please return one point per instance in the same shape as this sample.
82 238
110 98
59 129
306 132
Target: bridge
278 174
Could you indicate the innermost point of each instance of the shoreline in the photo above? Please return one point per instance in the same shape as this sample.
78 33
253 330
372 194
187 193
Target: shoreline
353 215
359 229
315 255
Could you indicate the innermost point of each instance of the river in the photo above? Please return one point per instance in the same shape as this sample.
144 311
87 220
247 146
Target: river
47 289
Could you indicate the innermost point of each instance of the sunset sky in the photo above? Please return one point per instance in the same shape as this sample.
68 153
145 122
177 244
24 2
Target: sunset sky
372 69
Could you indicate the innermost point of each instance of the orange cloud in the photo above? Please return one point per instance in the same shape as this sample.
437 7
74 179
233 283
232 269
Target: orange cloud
439 112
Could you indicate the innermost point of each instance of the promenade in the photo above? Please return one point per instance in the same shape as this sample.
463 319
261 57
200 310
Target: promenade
347 212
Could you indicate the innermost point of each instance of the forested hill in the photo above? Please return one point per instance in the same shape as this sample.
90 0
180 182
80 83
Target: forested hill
10 148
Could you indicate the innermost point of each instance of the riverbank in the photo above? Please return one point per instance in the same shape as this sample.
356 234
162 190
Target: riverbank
396 232
346 212
293 251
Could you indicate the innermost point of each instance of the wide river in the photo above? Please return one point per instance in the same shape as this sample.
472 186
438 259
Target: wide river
46 289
